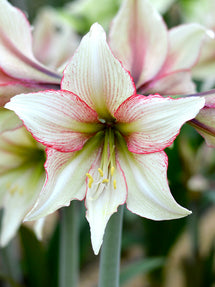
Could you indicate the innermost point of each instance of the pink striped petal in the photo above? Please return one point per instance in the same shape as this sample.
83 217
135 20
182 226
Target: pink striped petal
10 87
138 37
96 76
205 68
16 56
58 119
66 178
177 83
185 42
148 191
150 124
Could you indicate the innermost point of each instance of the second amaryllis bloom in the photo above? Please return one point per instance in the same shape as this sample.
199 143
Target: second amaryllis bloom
104 142
20 71
159 60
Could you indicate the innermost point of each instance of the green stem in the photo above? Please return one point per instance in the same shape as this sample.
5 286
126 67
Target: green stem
109 269
69 246
10 263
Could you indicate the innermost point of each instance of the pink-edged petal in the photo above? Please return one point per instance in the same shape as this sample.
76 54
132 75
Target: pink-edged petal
102 200
58 119
178 83
185 42
149 124
138 37
66 178
96 76
148 191
16 56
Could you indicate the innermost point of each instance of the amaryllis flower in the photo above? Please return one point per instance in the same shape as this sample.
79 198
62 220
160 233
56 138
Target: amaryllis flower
22 174
104 142
159 60
20 71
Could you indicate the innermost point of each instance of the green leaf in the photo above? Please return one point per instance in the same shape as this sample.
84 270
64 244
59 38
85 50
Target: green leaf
34 260
140 267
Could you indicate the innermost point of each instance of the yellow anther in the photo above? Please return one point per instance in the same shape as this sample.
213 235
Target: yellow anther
112 170
91 180
105 180
89 176
101 172
12 190
114 184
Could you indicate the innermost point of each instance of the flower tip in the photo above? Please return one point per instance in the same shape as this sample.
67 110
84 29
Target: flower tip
210 33
97 30
96 248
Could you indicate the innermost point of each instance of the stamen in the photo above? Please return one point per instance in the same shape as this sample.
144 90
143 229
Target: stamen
105 180
91 180
89 176
12 190
101 172
114 184
112 170
90 183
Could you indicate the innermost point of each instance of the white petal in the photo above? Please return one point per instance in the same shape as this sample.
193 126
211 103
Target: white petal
8 120
38 227
138 37
66 178
96 76
148 191
21 188
185 42
102 201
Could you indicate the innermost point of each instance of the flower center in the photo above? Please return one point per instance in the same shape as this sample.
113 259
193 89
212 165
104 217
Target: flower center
105 176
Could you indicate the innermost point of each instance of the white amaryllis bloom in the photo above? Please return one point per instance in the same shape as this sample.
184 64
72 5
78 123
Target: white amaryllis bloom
104 142
22 174
20 71
159 60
